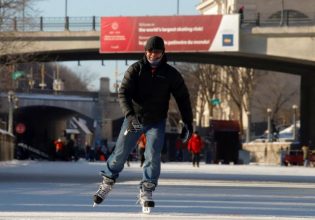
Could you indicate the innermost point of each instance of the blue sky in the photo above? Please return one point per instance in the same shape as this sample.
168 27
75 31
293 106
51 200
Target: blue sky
82 8
56 8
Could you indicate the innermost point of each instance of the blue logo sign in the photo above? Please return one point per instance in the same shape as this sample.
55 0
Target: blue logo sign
228 40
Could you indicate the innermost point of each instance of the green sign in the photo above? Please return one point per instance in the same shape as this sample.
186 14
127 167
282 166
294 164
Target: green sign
215 101
17 74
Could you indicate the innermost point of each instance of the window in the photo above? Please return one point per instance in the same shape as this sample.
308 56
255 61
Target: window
290 16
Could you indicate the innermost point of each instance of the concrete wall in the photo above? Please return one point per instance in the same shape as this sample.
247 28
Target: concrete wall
109 109
6 147
265 153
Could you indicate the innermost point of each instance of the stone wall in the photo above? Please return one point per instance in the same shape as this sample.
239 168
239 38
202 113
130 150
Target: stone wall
265 153
6 147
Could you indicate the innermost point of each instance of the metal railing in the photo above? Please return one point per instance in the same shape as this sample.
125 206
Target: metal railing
287 19
279 22
34 24
50 24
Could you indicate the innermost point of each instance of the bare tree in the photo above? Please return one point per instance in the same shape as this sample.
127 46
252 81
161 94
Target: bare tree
10 10
42 76
173 113
208 82
278 91
202 82
78 81
207 76
13 10
16 17
187 71
243 90
239 85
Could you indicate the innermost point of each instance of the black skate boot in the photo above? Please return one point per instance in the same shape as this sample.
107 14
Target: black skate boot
104 188
145 197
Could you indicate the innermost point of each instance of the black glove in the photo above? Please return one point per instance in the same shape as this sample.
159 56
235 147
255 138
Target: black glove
133 124
186 133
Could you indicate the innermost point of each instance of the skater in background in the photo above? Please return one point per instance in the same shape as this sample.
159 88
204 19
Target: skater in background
87 151
195 145
100 153
282 153
141 148
179 149
241 12
92 154
144 97
59 149
305 150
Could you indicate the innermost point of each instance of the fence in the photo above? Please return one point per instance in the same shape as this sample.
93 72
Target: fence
285 18
32 24
50 24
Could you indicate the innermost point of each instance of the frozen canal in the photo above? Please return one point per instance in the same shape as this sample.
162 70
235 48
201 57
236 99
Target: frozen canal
63 190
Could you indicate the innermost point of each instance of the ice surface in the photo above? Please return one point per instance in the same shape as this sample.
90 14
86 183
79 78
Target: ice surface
63 190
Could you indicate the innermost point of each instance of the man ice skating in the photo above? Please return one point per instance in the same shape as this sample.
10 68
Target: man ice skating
144 97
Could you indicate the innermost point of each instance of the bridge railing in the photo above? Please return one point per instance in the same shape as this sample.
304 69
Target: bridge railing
34 24
287 18
52 92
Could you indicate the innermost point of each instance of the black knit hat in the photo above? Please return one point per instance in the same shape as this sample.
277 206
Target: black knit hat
155 43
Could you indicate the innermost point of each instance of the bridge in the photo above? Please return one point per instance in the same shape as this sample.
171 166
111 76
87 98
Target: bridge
46 115
84 103
289 49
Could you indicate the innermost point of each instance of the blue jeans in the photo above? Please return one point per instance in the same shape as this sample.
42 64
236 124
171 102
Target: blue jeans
125 144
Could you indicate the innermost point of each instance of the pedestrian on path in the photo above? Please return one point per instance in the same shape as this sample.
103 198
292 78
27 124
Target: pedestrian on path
195 145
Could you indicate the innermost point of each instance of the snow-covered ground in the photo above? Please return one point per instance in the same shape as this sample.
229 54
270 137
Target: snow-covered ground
63 190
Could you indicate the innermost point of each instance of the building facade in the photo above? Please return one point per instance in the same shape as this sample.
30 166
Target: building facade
269 12
266 9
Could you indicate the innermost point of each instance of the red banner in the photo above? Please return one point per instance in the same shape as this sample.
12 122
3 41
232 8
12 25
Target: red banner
180 33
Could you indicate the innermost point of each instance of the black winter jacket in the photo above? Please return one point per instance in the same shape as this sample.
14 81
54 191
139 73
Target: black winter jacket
146 94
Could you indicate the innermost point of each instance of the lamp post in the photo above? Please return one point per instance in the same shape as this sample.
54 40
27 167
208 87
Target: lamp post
23 15
248 127
269 124
12 104
66 8
282 13
294 107
66 16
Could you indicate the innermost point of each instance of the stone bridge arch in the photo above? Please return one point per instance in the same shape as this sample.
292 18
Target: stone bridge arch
44 124
84 105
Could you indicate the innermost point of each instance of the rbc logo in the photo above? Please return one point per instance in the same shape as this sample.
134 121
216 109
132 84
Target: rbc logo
227 40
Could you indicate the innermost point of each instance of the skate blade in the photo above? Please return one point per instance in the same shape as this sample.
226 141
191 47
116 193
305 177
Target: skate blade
94 204
146 210
149 204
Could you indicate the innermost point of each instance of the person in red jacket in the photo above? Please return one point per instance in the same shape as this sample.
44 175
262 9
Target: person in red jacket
59 146
141 147
195 146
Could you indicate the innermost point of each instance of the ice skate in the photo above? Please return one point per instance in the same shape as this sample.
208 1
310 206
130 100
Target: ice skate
145 197
104 188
